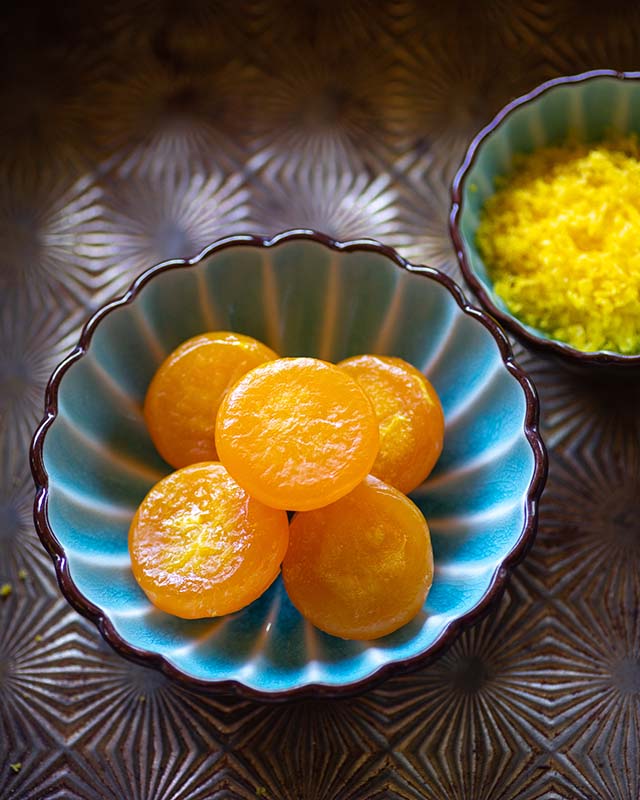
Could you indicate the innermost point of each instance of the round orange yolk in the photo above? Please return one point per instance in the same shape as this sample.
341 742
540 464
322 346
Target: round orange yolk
184 396
361 567
201 547
409 415
297 433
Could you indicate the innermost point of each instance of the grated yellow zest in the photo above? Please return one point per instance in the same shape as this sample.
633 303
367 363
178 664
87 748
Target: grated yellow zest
561 240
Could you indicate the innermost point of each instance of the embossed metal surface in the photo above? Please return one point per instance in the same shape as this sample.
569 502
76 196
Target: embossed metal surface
135 131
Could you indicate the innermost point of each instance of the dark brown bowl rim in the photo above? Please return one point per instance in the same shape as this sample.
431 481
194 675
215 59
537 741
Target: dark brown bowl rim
159 662
599 358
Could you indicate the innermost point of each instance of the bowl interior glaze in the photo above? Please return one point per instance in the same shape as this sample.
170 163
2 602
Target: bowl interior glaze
300 297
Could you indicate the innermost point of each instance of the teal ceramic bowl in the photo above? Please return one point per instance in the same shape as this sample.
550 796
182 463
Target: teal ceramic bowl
302 294
589 106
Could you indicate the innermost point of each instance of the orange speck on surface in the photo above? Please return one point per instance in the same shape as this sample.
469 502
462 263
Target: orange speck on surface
409 415
297 433
201 547
184 396
361 567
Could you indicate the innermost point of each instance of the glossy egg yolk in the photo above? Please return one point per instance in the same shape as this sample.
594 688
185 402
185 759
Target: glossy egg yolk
201 547
361 567
184 396
297 433
409 416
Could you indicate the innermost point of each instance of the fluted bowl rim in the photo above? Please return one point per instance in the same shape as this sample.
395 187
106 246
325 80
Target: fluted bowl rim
452 629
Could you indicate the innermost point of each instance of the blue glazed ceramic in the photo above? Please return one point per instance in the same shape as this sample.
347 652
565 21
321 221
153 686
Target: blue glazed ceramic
302 294
590 107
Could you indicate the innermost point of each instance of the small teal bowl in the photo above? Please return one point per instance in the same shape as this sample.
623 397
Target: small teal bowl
302 294
588 106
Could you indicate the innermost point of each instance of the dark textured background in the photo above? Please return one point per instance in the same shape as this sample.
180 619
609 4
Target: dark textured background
135 131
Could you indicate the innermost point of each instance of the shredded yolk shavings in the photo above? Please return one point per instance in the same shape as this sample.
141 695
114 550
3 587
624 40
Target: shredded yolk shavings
561 240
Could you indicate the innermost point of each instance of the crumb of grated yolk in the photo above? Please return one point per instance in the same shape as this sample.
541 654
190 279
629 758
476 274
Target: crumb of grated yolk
561 240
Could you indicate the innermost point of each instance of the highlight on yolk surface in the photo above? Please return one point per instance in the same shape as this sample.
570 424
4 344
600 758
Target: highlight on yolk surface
361 567
201 547
185 393
297 433
409 415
